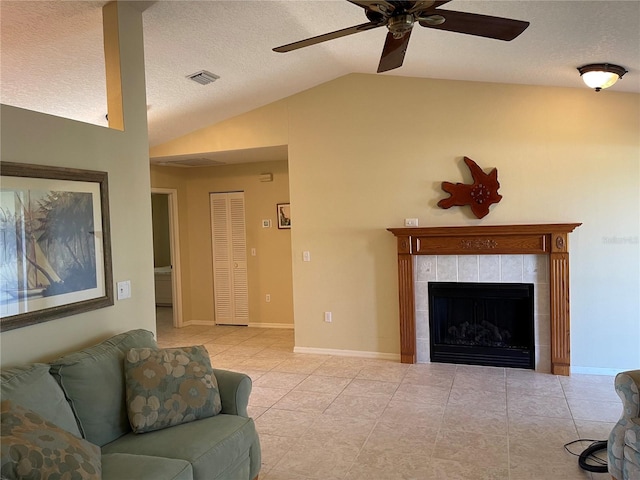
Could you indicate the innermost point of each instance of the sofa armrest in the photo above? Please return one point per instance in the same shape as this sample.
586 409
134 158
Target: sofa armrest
235 389
628 389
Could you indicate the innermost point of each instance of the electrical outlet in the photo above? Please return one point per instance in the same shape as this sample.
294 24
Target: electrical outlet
267 298
306 256
410 222
327 317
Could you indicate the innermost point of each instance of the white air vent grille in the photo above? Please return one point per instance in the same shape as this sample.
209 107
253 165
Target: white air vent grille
203 77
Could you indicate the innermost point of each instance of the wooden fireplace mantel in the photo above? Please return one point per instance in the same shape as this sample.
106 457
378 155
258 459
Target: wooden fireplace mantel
543 239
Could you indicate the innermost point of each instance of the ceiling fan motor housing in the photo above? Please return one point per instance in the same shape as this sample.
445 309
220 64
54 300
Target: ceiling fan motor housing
398 25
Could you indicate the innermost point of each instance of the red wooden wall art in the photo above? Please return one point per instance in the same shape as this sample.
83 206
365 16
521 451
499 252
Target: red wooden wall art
479 195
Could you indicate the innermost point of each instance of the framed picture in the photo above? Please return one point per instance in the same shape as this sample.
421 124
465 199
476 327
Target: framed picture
284 215
55 249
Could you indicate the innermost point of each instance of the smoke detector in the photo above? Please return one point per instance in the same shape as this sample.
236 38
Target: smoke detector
203 77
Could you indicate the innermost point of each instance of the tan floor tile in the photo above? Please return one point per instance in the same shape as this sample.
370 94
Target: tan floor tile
352 431
461 470
387 372
538 405
530 431
463 419
363 407
305 401
342 371
389 466
266 397
308 457
411 413
478 399
594 430
274 379
473 448
408 392
386 439
273 448
583 409
284 423
299 365
323 384
368 388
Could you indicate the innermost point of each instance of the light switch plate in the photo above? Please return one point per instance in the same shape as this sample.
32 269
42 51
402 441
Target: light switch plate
124 289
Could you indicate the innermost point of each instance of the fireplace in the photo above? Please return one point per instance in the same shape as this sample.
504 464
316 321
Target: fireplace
482 323
550 240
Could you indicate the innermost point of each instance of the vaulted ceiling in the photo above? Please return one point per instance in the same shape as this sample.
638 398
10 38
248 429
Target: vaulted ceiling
52 58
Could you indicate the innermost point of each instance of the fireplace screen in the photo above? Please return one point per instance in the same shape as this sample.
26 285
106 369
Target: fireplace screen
482 323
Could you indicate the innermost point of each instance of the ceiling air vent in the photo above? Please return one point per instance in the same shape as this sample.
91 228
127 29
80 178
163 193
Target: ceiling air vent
203 77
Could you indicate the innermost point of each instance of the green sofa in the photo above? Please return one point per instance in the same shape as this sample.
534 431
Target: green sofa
84 393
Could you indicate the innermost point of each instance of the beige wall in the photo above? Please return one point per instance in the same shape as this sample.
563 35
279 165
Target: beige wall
367 151
29 137
269 272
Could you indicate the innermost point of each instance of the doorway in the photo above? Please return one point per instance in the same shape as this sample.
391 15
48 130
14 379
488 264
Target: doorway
166 245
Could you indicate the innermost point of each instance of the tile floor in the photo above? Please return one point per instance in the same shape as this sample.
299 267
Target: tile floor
334 418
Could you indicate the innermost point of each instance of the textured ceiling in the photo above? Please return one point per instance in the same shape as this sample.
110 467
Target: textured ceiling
52 58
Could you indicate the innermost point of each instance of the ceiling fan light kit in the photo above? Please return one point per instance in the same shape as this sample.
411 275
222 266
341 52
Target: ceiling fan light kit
601 75
399 18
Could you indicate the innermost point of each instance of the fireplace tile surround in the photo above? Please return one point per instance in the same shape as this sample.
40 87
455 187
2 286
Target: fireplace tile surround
459 252
484 268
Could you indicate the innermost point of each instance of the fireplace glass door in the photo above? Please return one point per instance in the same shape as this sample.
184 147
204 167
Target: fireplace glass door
482 324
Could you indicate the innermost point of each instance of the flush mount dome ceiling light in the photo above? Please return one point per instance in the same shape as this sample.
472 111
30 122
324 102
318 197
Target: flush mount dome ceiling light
601 75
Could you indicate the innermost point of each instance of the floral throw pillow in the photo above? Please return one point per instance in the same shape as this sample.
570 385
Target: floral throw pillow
33 448
170 386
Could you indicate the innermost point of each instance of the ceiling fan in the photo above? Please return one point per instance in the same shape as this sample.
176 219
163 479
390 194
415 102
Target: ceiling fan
399 17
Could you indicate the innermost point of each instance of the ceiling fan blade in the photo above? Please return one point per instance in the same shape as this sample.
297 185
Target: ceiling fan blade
327 36
393 52
475 24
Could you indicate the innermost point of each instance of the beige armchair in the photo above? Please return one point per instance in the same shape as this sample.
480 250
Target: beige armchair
623 448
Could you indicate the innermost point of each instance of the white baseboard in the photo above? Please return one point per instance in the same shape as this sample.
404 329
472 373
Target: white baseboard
272 325
597 371
395 357
191 323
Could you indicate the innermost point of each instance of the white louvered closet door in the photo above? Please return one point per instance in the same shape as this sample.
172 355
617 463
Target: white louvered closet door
230 286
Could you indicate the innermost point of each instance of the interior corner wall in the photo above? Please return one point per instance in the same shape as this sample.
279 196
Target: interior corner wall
29 137
361 160
269 271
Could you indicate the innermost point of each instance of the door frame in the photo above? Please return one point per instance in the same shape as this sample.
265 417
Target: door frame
174 247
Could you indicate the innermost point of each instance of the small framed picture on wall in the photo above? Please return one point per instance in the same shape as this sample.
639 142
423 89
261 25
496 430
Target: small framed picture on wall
284 215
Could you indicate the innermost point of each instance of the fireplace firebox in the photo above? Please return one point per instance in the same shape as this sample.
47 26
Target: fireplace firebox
482 323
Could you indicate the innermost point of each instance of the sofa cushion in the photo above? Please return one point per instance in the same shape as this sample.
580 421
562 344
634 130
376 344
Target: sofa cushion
170 386
93 382
214 446
124 466
34 448
34 388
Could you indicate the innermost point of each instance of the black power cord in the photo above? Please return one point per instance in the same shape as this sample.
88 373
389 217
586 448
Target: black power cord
587 459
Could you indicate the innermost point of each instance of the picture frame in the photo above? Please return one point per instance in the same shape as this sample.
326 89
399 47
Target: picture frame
283 213
55 248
